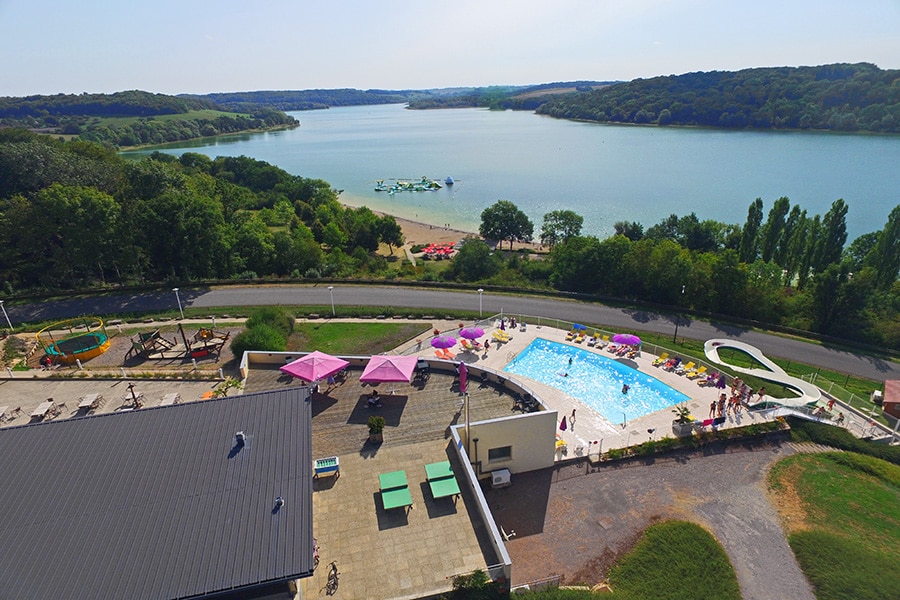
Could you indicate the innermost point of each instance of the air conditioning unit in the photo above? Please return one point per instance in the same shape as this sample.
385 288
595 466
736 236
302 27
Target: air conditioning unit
500 478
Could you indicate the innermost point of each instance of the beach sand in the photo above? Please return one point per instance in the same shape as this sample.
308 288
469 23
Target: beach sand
415 232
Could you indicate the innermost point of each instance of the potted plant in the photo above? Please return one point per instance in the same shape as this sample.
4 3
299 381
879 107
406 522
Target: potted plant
684 423
376 429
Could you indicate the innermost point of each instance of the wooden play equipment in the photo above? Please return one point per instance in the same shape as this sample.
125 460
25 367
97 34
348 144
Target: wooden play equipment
153 346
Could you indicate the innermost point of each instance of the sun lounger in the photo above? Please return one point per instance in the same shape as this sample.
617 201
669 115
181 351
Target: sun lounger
441 480
500 336
682 369
571 335
697 373
394 490
580 338
661 360
446 354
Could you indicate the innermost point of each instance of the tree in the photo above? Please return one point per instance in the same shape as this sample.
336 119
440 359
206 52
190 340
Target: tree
833 236
505 222
885 256
474 262
389 232
770 235
630 229
749 249
560 226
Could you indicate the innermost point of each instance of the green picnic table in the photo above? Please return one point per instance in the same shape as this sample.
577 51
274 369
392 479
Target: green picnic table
394 490
441 480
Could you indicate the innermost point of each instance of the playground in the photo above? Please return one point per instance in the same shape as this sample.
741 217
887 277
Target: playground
72 341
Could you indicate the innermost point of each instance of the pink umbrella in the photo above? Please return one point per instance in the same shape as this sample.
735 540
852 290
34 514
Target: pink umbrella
314 366
384 369
627 339
463 377
443 341
471 333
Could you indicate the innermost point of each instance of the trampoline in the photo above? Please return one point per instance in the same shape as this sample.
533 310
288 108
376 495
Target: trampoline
74 340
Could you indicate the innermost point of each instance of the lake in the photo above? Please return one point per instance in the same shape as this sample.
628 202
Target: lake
606 173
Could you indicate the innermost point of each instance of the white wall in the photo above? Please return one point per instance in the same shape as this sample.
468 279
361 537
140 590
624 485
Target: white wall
532 438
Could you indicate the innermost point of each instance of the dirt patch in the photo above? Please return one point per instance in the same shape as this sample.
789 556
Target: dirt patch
789 504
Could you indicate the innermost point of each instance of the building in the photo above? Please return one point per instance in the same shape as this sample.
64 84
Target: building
207 499
891 401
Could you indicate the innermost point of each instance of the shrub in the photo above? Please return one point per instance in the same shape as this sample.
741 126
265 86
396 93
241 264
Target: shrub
276 317
260 337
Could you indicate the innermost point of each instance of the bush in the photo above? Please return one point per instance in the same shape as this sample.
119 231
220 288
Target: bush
276 317
260 337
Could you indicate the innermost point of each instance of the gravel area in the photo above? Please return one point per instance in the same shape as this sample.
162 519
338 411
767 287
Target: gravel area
576 521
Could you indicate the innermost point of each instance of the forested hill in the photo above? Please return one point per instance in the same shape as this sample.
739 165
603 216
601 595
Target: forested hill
839 97
133 118
133 103
303 99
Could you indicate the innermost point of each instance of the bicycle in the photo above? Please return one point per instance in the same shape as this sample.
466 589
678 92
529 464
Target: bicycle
332 584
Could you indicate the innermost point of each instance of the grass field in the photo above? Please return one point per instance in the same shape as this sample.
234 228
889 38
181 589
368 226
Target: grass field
841 515
353 338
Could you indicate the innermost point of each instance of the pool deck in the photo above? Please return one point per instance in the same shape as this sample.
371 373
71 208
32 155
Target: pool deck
592 432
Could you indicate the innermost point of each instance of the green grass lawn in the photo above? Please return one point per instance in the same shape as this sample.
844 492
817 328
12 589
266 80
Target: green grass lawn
354 338
843 522
673 560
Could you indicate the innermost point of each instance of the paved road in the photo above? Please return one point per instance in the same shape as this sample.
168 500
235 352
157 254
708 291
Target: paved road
549 309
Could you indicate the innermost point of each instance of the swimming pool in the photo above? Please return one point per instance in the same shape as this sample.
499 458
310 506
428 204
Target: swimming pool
594 380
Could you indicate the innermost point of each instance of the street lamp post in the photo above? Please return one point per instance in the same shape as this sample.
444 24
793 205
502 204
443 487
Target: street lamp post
6 315
331 291
480 296
178 299
678 318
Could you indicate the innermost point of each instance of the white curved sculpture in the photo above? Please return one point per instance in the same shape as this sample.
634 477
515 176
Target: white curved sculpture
808 392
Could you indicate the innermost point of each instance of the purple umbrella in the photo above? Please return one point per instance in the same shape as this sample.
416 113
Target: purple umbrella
471 333
626 339
443 341
463 377
314 366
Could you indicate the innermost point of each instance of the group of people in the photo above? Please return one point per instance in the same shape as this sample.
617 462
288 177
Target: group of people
721 407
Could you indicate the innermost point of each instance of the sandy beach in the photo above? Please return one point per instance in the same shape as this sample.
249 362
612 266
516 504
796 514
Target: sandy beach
416 232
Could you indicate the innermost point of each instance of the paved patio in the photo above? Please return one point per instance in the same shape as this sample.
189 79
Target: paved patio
409 555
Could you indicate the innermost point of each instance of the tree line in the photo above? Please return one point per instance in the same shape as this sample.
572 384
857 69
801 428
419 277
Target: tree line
135 118
839 97
75 214
783 267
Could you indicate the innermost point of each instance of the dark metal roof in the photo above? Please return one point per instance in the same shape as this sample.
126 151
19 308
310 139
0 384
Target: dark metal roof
160 502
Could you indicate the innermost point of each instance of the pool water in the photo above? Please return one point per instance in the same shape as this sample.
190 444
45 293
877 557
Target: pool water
595 380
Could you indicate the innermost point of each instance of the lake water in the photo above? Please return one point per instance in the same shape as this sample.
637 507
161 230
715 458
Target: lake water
606 173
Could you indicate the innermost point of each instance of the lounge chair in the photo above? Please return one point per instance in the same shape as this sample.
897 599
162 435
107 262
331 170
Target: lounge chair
682 369
580 338
604 342
698 372
448 355
592 341
661 359
571 335
671 364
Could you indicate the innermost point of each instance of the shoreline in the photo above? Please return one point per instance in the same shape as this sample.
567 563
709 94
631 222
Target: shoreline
419 232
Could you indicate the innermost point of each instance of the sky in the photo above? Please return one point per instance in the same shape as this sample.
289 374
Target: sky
200 46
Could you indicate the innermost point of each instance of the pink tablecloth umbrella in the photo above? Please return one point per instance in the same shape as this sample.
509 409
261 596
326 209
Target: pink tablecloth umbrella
385 369
627 339
314 366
